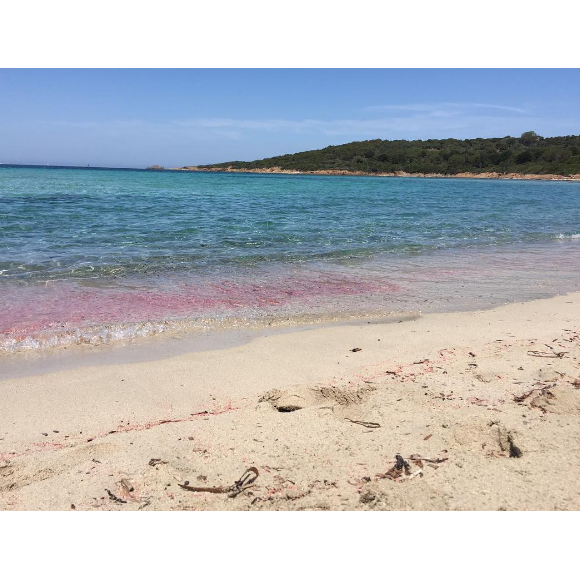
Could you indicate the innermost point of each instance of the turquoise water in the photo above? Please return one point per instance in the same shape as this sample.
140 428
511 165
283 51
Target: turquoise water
80 248
79 223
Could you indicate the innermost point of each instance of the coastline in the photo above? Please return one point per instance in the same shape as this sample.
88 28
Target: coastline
329 172
340 172
485 393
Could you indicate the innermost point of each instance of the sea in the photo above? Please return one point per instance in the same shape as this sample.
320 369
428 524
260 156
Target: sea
92 256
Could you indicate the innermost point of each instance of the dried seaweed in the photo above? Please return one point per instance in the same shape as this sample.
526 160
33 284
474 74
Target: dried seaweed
545 354
114 497
127 485
527 394
401 467
416 457
368 424
245 482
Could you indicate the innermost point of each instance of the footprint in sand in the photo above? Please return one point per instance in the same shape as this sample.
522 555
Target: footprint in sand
300 396
492 438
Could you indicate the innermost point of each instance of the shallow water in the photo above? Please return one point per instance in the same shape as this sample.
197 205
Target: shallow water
99 256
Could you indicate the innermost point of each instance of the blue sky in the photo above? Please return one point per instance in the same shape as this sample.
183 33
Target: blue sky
135 118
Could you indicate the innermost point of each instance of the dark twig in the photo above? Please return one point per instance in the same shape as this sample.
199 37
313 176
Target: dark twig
368 424
544 354
242 484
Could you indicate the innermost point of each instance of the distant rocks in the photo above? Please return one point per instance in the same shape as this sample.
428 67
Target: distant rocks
156 168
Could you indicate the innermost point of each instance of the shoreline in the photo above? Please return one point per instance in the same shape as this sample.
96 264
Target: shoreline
179 335
329 172
158 346
479 392
346 173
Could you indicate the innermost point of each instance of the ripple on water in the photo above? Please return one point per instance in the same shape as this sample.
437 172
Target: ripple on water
96 257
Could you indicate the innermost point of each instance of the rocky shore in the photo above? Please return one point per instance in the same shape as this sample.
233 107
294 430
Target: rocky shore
464 175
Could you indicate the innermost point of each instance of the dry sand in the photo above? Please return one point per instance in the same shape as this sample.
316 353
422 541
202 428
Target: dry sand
492 396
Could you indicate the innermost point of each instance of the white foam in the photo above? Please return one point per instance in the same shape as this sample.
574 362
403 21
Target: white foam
93 336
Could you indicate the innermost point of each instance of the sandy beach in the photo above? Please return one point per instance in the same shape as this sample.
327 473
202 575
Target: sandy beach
482 409
320 276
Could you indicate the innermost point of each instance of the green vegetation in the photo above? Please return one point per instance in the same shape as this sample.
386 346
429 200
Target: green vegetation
529 153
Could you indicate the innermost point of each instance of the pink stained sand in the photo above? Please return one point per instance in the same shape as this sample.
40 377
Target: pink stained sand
27 311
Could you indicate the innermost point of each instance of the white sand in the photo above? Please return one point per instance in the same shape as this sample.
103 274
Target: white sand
104 424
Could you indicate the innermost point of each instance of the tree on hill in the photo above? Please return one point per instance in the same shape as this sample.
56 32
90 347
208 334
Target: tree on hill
530 153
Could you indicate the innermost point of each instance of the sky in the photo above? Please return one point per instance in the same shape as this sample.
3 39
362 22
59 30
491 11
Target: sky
176 117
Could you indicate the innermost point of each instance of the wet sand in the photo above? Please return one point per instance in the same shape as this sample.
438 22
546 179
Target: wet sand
483 408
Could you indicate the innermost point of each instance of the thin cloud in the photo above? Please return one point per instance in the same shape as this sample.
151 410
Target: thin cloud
374 127
254 124
442 107
410 121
